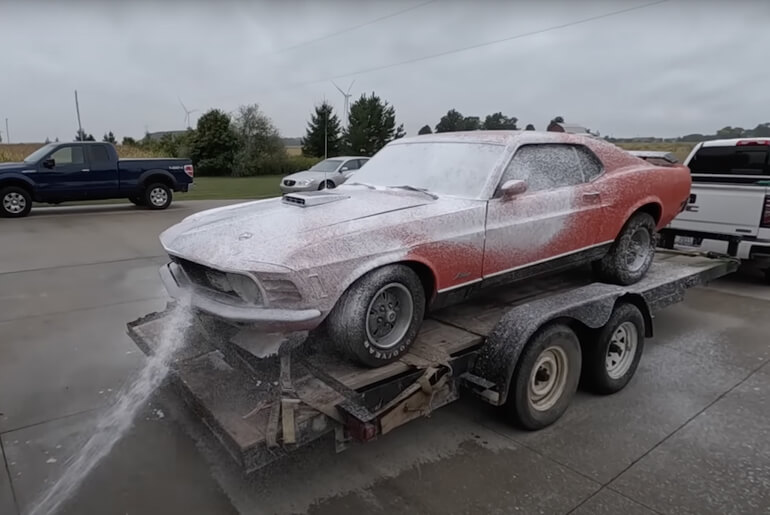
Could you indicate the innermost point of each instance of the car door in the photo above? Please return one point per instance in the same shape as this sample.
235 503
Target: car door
103 174
559 214
67 179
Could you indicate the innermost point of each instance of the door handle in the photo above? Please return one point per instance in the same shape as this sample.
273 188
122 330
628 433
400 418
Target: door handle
85 170
593 195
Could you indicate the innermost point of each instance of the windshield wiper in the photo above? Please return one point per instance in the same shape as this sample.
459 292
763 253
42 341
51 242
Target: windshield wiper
414 188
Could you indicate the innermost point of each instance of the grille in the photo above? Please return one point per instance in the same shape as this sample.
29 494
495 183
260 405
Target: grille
206 277
289 182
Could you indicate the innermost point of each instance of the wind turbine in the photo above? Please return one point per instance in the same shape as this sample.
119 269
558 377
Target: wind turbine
187 113
346 95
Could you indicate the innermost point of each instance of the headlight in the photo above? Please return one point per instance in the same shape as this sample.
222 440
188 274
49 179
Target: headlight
303 182
245 288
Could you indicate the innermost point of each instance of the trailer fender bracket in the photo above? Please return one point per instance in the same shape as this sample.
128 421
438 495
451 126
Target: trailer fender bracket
500 353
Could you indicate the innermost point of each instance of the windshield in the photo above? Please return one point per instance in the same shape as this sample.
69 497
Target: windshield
452 168
326 166
39 153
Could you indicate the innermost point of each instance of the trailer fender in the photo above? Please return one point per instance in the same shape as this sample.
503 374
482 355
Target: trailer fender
587 307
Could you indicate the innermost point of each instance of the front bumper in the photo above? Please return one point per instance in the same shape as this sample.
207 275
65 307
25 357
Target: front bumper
296 188
178 286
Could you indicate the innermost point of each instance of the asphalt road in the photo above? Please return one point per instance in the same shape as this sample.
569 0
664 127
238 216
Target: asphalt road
690 434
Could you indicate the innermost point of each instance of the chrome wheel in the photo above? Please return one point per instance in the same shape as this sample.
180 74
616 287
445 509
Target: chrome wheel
389 315
14 203
158 197
548 378
639 249
621 350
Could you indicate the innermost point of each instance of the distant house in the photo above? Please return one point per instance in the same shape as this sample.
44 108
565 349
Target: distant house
567 127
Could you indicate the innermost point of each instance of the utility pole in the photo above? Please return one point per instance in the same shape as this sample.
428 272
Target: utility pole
77 109
7 134
326 119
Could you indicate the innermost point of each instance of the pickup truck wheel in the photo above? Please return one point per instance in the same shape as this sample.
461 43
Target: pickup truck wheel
157 196
15 202
613 355
545 378
631 254
137 200
377 319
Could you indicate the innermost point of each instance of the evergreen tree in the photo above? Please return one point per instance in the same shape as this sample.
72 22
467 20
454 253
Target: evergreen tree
323 128
372 125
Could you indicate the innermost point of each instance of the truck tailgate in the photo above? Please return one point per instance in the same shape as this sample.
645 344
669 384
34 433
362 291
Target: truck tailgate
722 209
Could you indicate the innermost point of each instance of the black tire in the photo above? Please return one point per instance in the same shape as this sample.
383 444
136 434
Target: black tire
15 202
137 200
157 196
348 323
623 335
558 345
639 233
327 185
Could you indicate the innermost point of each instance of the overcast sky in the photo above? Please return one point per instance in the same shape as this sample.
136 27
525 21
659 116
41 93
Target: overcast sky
677 67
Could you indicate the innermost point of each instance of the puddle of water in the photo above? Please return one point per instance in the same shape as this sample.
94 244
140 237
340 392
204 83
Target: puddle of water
119 417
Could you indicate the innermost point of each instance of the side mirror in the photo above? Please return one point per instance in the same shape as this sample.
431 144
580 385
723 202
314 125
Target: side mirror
49 163
512 188
344 169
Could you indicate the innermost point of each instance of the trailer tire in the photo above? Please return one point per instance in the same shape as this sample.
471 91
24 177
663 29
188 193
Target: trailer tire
354 324
631 255
613 356
545 378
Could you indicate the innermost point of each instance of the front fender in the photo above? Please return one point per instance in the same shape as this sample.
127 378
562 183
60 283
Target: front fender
499 356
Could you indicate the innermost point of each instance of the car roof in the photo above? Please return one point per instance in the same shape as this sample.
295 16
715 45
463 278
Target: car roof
733 142
497 137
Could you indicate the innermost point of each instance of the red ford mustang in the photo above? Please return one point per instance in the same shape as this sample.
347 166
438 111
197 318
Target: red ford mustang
425 222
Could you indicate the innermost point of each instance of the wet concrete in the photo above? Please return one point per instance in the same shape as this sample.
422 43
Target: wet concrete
688 435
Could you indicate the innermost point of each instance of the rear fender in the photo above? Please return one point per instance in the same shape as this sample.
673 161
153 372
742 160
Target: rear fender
498 358
145 177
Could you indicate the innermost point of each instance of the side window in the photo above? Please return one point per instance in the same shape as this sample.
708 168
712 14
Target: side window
68 156
730 161
589 163
544 167
98 156
352 164
362 162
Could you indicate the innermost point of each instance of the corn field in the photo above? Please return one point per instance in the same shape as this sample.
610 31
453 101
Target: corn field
18 151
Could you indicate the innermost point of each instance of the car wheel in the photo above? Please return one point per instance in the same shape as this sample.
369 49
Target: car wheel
15 202
377 319
546 377
613 355
631 254
326 185
157 196
137 200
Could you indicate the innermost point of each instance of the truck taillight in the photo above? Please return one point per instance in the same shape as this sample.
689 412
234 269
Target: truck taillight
744 143
765 222
188 169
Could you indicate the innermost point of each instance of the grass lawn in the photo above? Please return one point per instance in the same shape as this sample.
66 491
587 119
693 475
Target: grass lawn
213 188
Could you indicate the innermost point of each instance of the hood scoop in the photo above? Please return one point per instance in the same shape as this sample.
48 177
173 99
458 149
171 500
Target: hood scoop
312 198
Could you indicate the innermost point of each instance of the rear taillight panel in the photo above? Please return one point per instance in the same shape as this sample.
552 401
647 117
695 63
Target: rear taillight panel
188 169
751 143
765 221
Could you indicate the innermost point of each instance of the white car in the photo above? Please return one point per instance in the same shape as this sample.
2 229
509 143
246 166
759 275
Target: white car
729 206
327 174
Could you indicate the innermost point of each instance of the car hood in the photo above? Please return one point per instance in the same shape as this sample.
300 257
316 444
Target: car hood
310 175
12 167
267 231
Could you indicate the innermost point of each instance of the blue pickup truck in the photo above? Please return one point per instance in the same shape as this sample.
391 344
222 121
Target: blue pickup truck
61 172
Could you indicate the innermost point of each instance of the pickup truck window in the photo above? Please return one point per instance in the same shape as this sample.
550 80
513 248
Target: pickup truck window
68 156
98 156
730 160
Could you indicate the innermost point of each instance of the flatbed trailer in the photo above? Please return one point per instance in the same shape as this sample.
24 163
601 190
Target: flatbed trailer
262 408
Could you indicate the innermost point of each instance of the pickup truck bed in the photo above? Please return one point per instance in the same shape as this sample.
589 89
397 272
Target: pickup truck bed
262 409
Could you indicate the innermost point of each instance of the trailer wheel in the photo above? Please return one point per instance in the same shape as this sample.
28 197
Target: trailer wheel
378 317
546 377
631 254
612 358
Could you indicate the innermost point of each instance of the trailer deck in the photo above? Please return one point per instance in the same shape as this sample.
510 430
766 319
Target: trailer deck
262 408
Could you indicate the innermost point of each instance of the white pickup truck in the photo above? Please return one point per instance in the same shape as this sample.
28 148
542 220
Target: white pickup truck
729 206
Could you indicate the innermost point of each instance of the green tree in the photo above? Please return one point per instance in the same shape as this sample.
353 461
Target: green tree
324 126
731 132
558 119
498 121
452 121
425 130
109 138
762 130
214 144
47 140
81 136
471 123
128 140
529 127
371 126
260 148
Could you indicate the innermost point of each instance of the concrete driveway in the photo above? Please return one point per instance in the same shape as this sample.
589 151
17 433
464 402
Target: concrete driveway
690 434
